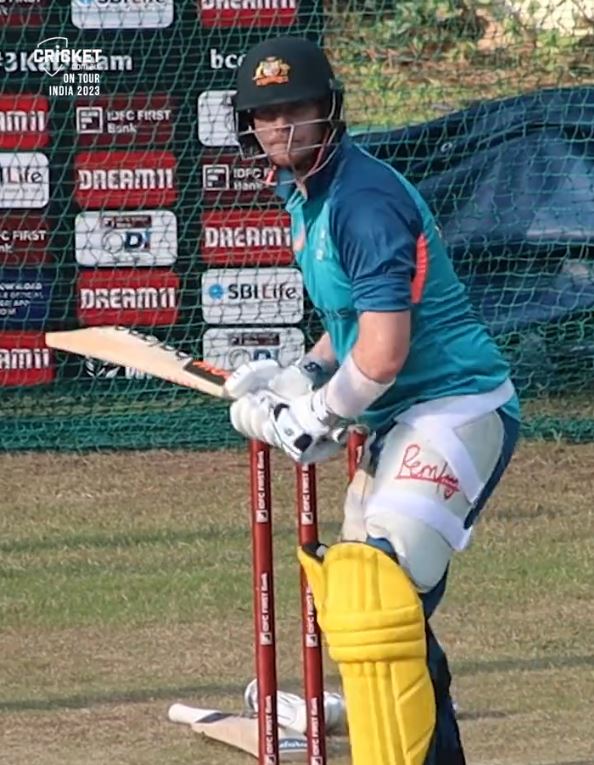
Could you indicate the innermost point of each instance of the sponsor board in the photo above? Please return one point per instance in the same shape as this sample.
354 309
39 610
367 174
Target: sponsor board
25 295
246 238
230 347
23 121
24 180
25 359
126 296
125 179
215 118
116 120
24 239
219 59
122 14
140 238
23 13
252 296
227 178
103 370
247 13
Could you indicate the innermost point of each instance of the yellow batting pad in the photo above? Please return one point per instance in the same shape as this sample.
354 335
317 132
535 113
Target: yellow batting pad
373 621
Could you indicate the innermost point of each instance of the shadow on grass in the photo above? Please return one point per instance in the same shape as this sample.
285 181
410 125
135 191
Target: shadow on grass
204 690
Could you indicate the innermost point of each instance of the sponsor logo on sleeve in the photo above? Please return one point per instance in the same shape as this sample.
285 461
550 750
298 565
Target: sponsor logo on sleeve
252 296
127 296
246 238
228 348
124 120
24 239
24 180
140 238
227 178
122 14
23 122
25 359
25 295
23 13
125 179
215 118
247 13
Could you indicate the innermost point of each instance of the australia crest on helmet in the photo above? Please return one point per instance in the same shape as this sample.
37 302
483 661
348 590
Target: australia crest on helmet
271 71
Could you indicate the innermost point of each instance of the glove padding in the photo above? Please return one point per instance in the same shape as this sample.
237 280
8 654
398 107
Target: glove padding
263 416
307 430
250 377
286 382
251 415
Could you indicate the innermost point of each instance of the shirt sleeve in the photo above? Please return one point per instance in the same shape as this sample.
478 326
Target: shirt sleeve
376 235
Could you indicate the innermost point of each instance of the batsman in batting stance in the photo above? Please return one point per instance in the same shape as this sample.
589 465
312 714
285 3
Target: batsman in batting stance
403 354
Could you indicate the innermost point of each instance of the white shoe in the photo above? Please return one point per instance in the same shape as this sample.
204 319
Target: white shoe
292 711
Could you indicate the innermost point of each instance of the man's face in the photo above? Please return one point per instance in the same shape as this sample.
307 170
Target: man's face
289 133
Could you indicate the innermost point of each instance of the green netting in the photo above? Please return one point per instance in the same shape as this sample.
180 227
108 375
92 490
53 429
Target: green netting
121 198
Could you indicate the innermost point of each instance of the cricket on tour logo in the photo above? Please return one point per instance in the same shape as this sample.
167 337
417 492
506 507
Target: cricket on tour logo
125 296
78 68
23 121
248 13
125 179
54 55
246 237
25 359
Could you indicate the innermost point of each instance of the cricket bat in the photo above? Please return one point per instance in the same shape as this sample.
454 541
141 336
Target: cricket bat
238 731
128 347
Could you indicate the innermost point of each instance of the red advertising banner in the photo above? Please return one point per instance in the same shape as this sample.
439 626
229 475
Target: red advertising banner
125 179
247 13
246 238
23 121
25 359
23 13
149 297
24 239
227 178
144 119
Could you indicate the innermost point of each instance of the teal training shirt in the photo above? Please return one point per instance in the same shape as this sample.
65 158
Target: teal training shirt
365 240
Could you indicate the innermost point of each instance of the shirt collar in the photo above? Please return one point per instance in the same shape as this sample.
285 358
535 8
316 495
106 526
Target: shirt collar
288 189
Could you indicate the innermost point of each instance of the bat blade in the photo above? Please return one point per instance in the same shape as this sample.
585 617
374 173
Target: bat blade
237 731
126 347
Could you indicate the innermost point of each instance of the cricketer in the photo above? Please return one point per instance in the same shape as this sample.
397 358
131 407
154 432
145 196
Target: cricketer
404 354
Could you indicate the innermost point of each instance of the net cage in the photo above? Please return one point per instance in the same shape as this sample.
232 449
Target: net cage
124 199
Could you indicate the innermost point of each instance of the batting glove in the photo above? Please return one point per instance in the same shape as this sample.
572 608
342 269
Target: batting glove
287 382
251 415
307 430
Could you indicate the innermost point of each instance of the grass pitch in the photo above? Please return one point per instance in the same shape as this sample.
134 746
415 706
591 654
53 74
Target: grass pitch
126 586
